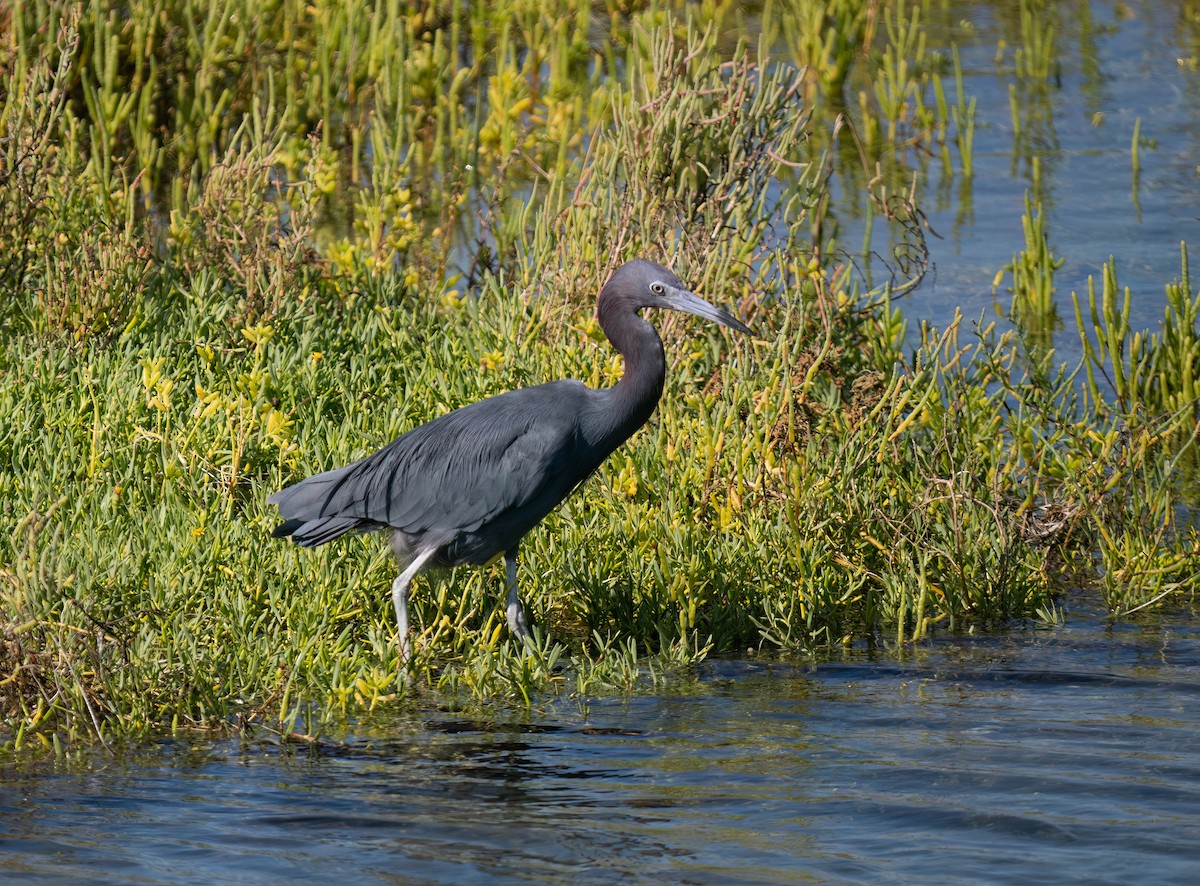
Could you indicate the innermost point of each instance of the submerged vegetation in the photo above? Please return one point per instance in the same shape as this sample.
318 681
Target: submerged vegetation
238 246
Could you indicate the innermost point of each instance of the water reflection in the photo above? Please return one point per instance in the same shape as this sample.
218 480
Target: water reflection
1066 138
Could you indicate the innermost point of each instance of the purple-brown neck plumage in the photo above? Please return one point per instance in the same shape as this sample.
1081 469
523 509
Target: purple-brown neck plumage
631 402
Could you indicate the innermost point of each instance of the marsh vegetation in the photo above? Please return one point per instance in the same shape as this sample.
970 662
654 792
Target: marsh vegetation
240 244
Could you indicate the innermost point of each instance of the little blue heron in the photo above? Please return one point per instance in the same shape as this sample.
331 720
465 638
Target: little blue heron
469 485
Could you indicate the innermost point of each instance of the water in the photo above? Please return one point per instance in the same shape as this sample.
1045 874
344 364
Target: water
1065 756
1122 62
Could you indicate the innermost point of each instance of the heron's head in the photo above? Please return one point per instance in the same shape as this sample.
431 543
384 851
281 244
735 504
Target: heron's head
644 284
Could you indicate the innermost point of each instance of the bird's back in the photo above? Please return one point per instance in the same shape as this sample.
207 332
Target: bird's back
470 483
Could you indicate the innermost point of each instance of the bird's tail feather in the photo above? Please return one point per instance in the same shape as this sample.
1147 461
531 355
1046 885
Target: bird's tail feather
311 533
303 507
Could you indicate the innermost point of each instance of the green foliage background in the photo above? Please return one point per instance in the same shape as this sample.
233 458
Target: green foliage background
240 243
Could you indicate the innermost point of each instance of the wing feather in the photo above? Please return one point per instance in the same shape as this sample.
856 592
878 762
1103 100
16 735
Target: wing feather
452 475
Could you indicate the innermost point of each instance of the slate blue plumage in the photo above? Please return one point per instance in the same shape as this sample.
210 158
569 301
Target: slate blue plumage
467 487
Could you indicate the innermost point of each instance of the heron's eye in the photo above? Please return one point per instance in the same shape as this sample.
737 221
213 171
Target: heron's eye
657 288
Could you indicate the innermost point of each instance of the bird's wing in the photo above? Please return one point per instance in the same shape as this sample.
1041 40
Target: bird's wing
458 471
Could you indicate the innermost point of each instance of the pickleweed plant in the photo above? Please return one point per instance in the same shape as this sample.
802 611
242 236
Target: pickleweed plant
265 242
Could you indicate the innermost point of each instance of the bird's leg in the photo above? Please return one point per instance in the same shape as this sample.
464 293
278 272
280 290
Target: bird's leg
517 622
400 599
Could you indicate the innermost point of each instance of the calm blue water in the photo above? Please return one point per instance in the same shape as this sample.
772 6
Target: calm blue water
1122 65
1061 756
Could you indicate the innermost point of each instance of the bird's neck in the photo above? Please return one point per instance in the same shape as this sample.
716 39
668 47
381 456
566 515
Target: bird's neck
632 400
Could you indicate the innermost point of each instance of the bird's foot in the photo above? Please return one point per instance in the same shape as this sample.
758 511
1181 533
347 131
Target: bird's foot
518 623
404 668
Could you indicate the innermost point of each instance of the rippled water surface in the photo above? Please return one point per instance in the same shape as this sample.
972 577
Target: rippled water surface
1054 756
